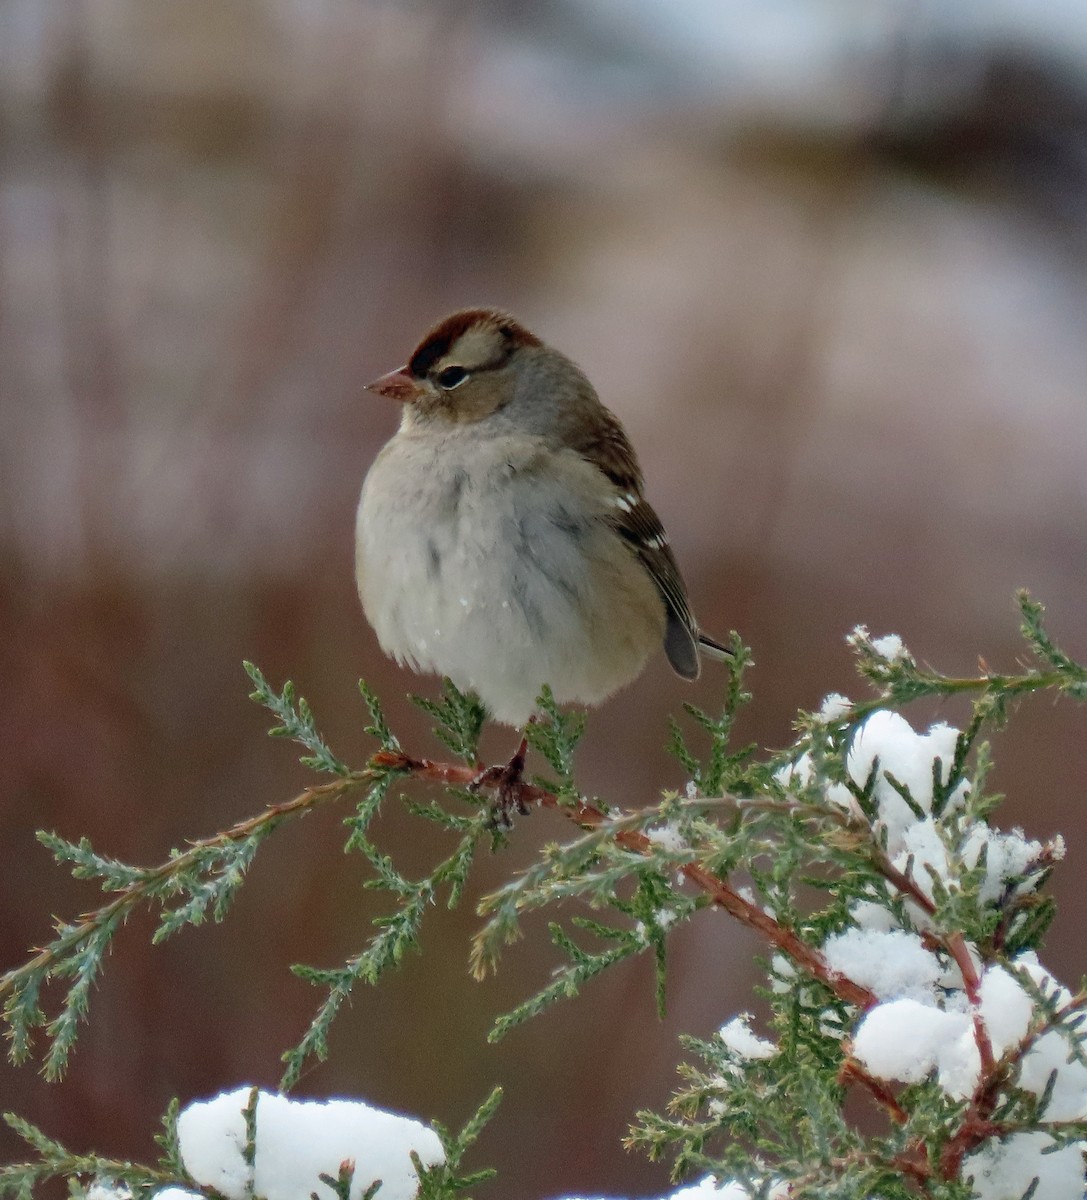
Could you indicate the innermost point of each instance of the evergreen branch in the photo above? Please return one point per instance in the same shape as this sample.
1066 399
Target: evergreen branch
396 935
205 874
169 1142
296 722
556 738
444 1181
378 727
340 1183
591 818
802 818
53 1161
1073 675
780 937
899 680
1066 1019
460 717
568 981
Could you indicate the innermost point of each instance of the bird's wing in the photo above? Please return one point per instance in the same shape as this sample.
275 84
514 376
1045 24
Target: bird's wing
607 447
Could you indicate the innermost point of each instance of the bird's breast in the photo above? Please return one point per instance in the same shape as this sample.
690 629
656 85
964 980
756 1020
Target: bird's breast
494 572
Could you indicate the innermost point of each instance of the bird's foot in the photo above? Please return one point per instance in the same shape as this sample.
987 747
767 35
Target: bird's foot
509 786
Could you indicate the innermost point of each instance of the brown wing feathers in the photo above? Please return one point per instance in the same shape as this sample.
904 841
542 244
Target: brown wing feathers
609 449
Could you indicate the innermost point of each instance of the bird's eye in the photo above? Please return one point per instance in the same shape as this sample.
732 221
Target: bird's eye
451 377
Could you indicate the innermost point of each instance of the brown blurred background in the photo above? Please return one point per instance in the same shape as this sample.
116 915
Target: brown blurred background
827 259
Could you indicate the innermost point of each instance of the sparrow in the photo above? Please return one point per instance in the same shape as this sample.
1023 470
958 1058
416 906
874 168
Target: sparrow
503 537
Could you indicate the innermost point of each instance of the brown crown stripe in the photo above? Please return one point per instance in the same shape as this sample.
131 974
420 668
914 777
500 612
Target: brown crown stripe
437 342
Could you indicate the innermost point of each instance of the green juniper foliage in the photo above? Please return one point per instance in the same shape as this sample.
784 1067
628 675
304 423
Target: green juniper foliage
861 843
52 1161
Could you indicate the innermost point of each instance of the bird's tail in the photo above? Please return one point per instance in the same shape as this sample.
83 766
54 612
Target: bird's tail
714 649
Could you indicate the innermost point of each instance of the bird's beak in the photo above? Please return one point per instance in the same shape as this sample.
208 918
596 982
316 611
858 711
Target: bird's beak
397 385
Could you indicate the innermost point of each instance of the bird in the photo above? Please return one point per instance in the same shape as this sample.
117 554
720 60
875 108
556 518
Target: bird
503 538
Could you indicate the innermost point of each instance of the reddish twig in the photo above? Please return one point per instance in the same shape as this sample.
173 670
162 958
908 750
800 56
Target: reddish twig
960 952
589 817
974 1130
907 886
852 1072
976 1125
955 945
916 1168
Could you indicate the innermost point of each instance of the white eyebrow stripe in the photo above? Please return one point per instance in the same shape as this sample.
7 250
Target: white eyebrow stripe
477 347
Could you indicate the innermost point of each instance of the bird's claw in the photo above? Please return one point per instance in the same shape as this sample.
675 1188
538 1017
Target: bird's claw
509 786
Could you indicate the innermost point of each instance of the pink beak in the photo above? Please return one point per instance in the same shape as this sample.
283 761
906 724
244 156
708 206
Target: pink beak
397 385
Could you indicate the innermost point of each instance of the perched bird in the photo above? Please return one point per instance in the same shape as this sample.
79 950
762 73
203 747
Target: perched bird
502 537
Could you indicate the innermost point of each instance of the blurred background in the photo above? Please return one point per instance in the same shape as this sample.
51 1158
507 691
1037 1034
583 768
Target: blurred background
826 258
